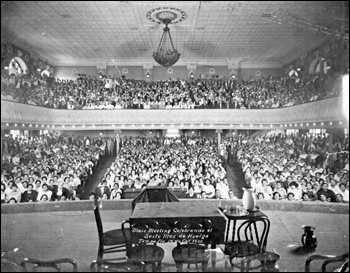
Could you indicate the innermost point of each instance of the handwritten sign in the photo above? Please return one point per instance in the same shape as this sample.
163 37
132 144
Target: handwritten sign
171 235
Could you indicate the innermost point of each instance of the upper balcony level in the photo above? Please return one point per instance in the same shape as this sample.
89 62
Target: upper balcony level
320 114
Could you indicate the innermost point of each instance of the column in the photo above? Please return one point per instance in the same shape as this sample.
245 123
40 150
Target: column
1 149
117 136
331 135
148 70
219 138
191 68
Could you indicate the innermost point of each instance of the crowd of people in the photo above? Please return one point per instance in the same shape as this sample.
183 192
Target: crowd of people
296 167
189 163
53 167
49 167
108 92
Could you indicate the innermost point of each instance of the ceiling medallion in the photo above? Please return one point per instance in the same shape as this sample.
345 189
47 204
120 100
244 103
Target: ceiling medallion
174 15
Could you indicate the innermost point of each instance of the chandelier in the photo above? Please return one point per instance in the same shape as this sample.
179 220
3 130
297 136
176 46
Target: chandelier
166 54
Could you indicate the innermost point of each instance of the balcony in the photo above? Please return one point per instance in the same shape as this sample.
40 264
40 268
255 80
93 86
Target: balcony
327 113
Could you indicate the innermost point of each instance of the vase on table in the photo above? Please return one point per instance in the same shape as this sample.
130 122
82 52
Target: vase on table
249 200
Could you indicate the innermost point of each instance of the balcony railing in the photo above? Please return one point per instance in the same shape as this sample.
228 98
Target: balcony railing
324 111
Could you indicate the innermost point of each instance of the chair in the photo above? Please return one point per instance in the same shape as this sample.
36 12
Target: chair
108 266
110 241
329 259
139 253
191 253
252 239
267 262
55 264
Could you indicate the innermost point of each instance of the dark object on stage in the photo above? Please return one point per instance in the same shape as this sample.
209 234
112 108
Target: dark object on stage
308 239
154 194
132 193
110 241
329 259
55 264
140 253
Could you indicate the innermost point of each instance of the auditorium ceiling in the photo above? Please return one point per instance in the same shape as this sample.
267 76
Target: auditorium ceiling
269 33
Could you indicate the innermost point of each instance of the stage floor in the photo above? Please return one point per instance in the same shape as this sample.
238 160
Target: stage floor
51 235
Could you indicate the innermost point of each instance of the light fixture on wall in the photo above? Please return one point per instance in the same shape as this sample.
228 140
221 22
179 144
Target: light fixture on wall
233 76
192 74
148 74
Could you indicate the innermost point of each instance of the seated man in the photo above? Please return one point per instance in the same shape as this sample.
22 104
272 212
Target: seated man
330 195
103 189
217 194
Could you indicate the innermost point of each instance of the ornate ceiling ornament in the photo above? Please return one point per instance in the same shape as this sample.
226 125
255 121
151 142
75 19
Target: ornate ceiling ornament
157 15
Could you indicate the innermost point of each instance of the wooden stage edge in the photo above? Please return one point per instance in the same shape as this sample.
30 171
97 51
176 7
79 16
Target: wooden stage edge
312 207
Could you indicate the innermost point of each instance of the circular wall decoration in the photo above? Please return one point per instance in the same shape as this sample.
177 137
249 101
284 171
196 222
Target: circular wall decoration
10 49
176 15
40 64
51 69
75 70
310 57
170 71
125 71
258 73
211 71
326 49
26 58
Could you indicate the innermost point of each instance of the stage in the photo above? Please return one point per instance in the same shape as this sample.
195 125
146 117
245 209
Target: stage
58 232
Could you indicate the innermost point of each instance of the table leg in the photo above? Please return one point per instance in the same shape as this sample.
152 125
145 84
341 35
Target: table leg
233 231
227 230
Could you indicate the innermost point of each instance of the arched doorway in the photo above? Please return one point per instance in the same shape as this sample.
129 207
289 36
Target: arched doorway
17 66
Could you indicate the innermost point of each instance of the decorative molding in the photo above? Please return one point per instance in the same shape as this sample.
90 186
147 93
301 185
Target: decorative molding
191 66
176 15
10 49
148 66
101 66
232 66
320 111
182 62
212 70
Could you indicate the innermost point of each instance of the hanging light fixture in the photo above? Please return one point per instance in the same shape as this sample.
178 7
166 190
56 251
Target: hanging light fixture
166 54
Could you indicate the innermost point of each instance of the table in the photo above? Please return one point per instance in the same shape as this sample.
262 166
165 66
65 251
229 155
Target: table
167 217
132 193
202 223
250 219
252 215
